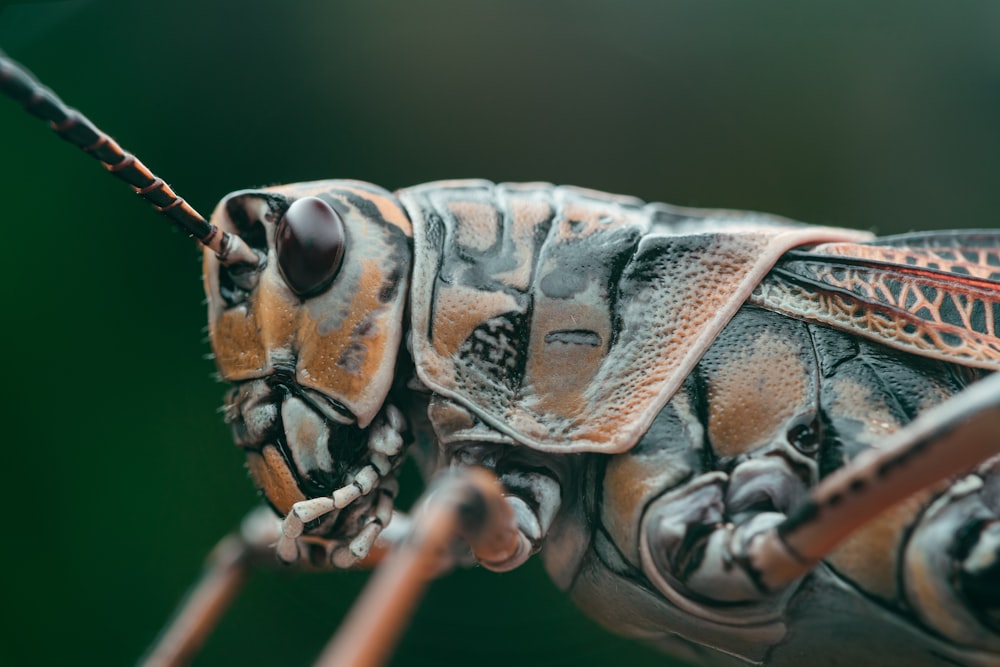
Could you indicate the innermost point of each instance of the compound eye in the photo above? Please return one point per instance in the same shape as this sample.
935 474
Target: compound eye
310 245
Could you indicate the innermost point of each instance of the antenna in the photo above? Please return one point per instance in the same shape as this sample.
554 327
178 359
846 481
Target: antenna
20 85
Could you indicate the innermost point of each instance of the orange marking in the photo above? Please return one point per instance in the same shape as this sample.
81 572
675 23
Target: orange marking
754 393
459 310
558 373
239 354
272 476
869 557
345 361
480 224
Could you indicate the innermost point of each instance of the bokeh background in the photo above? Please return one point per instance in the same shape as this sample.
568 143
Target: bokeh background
118 473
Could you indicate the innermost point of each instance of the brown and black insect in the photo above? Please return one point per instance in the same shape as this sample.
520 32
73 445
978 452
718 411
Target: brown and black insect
744 439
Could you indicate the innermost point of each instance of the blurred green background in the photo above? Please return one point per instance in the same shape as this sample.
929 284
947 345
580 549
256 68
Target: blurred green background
119 472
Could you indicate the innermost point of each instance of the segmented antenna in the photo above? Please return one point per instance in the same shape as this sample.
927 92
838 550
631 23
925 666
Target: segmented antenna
20 85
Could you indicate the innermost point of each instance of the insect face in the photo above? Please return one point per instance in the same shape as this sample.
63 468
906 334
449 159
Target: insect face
309 338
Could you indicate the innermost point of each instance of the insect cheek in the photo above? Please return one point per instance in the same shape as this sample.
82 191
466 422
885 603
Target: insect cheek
348 348
349 334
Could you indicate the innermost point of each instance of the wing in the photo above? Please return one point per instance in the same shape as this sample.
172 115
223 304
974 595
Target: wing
935 294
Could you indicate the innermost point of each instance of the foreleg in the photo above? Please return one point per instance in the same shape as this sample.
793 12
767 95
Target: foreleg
464 506
226 570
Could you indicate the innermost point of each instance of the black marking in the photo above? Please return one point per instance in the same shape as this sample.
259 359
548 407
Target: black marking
902 458
252 231
353 357
574 337
693 548
930 293
436 236
237 281
365 328
895 288
339 407
949 311
977 316
496 348
397 264
348 447
390 285
366 207
696 387
969 256
980 588
951 339
473 512
803 515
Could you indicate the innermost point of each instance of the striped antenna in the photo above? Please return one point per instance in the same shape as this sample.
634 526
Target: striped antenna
21 86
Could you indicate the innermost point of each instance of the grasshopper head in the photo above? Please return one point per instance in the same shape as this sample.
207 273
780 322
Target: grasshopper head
306 291
309 339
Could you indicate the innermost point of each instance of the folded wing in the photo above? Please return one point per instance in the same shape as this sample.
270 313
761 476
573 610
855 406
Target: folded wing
935 294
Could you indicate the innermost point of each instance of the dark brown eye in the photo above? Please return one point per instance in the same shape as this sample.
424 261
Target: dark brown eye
310 245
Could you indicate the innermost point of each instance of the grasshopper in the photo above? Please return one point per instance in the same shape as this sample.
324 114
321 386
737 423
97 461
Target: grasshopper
607 361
